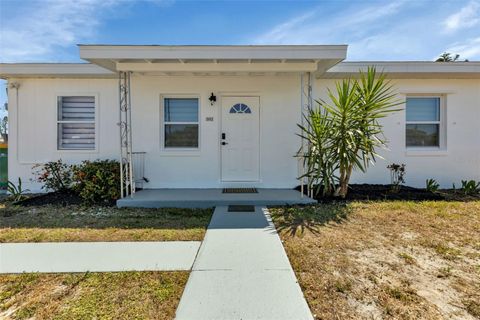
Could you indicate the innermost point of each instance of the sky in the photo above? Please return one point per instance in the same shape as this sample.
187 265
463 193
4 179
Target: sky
48 30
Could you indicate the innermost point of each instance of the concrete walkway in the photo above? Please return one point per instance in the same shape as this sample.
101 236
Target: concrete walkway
97 256
242 272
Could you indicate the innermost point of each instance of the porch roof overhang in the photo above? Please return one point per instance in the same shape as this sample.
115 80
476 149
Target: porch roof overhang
159 59
53 70
408 69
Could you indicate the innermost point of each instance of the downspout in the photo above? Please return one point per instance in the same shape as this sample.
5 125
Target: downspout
302 160
306 101
120 127
130 147
16 86
309 106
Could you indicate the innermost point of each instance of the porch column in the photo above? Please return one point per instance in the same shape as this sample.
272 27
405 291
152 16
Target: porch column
127 185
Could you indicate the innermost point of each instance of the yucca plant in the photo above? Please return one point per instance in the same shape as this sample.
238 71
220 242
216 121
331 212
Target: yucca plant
354 132
470 187
16 192
318 153
432 185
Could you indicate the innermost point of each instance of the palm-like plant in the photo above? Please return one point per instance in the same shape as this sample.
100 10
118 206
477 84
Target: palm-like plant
345 133
318 154
448 57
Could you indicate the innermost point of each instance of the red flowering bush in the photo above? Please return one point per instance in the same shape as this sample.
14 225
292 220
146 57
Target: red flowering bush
96 182
54 175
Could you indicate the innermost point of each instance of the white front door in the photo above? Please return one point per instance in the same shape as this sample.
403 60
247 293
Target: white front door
240 138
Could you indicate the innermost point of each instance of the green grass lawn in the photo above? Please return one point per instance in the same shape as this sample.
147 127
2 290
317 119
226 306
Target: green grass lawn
386 260
122 295
53 223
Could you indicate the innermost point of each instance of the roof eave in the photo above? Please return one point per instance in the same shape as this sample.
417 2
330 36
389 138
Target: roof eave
215 58
53 70
408 69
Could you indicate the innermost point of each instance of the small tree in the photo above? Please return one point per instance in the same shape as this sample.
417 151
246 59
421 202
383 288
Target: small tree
4 128
449 57
346 130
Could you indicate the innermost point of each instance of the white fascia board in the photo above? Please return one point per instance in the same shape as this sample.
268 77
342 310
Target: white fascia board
218 67
314 52
408 69
47 70
212 52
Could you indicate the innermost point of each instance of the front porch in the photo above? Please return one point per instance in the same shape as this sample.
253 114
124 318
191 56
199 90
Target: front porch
207 198
212 113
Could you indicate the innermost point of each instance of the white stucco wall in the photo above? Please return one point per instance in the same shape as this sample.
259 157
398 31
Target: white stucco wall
33 124
33 135
279 114
459 160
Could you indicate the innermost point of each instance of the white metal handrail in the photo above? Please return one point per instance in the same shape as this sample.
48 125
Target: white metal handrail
138 159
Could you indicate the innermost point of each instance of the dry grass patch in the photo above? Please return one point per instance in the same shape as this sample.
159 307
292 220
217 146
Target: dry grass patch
398 260
77 223
123 295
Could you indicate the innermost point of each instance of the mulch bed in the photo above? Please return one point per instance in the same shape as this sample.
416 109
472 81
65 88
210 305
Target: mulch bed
356 192
63 198
377 192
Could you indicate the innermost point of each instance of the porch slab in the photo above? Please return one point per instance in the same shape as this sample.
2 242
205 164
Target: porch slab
207 198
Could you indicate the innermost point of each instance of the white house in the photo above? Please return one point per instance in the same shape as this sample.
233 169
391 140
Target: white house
226 116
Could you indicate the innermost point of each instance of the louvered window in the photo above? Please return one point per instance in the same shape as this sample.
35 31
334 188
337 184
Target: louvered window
76 123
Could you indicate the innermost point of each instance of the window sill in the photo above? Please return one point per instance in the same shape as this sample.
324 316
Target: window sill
426 153
76 151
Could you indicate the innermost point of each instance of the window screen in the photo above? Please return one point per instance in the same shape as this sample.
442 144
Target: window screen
180 122
423 122
76 123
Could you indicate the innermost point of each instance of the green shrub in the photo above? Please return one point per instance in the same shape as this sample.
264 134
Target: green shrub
54 175
397 175
431 185
97 181
16 192
470 187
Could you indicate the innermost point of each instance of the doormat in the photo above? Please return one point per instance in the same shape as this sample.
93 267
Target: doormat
239 190
241 208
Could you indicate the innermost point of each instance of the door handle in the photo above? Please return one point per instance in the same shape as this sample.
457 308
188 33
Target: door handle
224 143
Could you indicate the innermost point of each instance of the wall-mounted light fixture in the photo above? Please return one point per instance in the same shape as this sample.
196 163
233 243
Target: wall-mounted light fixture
212 99
14 85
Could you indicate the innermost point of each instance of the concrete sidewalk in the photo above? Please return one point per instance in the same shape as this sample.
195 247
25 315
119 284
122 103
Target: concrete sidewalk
97 256
242 272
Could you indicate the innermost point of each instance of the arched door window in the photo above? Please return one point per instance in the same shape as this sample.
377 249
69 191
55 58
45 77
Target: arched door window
240 108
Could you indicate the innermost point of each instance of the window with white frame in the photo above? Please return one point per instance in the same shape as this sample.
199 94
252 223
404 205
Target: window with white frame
424 118
180 123
76 123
